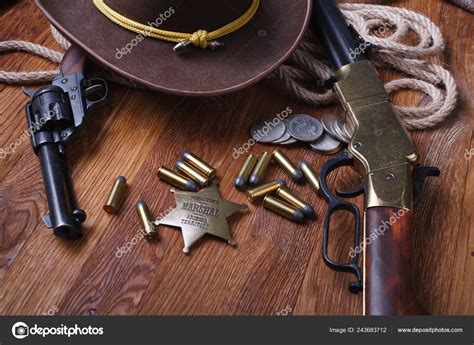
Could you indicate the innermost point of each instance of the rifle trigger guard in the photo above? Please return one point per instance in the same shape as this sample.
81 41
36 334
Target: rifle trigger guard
335 204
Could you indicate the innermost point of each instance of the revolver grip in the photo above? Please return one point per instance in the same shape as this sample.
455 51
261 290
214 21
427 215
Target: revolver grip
64 216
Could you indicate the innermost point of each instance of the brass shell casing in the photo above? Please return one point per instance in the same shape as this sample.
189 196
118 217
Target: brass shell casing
242 178
116 196
284 194
197 163
310 175
177 180
192 173
145 219
263 190
260 168
283 209
288 166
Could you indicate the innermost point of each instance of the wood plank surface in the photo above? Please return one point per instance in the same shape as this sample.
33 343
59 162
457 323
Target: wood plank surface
276 265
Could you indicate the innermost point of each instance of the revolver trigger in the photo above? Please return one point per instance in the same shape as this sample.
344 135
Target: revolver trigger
419 175
47 220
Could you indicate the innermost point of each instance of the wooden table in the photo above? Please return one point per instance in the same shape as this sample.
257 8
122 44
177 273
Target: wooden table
276 265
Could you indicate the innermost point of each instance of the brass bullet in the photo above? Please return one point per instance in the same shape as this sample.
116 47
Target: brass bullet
310 175
177 180
283 209
188 171
284 194
197 163
265 189
116 196
260 168
145 219
242 178
286 164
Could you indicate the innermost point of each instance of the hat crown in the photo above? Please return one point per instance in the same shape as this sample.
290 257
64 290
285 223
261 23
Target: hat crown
181 15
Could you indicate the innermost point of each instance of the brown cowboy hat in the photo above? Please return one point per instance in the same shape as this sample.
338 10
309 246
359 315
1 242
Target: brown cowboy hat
248 55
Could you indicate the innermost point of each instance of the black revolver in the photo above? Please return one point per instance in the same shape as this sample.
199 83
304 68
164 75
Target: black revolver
53 114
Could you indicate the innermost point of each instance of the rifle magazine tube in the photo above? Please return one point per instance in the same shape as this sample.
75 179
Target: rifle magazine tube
310 175
284 194
242 178
188 171
116 196
197 163
145 219
283 209
177 180
260 168
263 190
288 166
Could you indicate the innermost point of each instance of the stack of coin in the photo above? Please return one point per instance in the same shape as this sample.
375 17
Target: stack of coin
327 138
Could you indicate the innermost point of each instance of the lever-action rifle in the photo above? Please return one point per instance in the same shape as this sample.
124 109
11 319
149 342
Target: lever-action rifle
382 152
53 114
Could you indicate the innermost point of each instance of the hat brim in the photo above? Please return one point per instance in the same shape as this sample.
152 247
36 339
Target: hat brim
248 55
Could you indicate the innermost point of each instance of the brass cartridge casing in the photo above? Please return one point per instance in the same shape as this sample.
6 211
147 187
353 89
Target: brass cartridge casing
188 171
288 166
310 175
145 219
198 164
284 194
265 189
260 168
242 178
116 196
283 209
177 180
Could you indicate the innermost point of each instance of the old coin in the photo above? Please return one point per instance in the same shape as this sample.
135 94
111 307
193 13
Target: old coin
268 130
328 122
326 145
285 137
305 128
288 142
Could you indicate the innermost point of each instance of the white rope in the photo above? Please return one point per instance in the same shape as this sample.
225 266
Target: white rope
384 28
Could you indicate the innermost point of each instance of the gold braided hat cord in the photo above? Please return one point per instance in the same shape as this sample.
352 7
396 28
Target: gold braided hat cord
200 38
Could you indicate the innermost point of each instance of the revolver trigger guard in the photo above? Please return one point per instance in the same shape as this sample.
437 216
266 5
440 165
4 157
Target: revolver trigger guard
95 85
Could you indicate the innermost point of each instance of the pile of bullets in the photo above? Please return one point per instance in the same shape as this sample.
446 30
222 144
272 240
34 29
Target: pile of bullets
276 196
192 174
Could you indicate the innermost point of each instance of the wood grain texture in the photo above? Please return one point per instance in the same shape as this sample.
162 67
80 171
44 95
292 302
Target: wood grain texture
276 264
388 278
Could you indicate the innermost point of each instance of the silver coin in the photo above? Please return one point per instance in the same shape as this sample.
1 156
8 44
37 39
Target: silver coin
288 142
305 128
342 126
285 137
267 130
328 123
331 125
326 145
